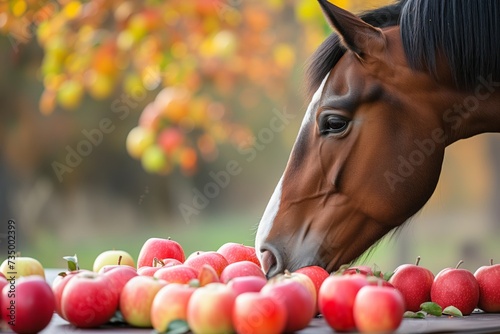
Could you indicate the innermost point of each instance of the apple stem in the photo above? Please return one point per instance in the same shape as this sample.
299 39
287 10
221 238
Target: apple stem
491 262
119 260
459 264
418 261
287 272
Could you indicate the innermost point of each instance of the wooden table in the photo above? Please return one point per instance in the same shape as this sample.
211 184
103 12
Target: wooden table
475 323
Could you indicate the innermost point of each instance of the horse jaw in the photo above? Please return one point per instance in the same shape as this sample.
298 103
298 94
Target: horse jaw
266 222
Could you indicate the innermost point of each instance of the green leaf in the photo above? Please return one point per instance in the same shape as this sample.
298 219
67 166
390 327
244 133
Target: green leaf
117 318
453 311
72 262
414 315
177 327
388 275
432 308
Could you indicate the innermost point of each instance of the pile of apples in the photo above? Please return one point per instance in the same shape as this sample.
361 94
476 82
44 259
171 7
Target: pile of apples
226 291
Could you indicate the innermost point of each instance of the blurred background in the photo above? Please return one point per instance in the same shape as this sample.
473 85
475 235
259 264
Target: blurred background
116 117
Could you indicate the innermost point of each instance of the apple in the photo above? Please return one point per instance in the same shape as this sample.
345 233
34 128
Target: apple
336 300
207 275
161 249
113 257
169 304
169 262
87 300
58 285
488 278
241 268
363 270
378 309
234 252
254 312
299 302
137 298
147 271
247 284
456 287
302 279
210 309
197 259
170 139
21 266
119 276
317 276
414 283
28 304
3 282
176 274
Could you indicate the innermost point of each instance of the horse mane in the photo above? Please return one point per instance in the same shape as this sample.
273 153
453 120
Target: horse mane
465 32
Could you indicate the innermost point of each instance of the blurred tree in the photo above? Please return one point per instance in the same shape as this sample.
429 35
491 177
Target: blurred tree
207 61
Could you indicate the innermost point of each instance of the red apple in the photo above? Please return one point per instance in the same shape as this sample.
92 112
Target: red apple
336 300
58 286
317 276
176 274
28 304
254 312
170 139
87 300
378 309
213 259
302 279
160 249
169 304
456 287
147 271
234 252
488 278
207 275
239 269
136 299
119 276
210 309
414 283
363 270
3 282
299 302
170 262
247 284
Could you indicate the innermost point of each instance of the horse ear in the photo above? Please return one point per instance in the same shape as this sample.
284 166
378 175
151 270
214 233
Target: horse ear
357 35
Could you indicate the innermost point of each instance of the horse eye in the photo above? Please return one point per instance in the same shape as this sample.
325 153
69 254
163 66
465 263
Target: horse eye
333 124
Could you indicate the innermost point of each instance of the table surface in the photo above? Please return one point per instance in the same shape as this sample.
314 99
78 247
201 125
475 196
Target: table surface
475 323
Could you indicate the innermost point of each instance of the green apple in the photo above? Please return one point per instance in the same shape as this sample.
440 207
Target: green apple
21 266
112 257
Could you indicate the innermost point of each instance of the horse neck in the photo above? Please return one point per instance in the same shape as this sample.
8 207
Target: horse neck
474 112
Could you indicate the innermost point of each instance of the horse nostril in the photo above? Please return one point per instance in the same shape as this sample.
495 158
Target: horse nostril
270 263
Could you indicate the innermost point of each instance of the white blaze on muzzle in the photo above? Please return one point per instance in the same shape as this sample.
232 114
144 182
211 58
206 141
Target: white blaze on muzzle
266 223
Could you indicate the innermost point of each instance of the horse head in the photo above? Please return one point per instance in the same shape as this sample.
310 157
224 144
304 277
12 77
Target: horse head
368 154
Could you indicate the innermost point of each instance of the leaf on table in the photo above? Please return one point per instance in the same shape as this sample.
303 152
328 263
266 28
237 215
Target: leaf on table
432 308
453 311
414 315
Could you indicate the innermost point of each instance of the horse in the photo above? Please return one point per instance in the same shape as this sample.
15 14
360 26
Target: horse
389 90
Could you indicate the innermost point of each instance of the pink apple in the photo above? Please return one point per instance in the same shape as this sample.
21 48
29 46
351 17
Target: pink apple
147 271
58 286
414 283
488 278
87 300
119 276
254 312
160 249
317 276
336 300
169 304
378 309
176 274
299 302
207 275
215 260
247 284
241 268
137 298
456 287
234 252
28 303
210 309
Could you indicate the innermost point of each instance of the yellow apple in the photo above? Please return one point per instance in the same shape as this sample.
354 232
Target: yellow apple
21 266
111 257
